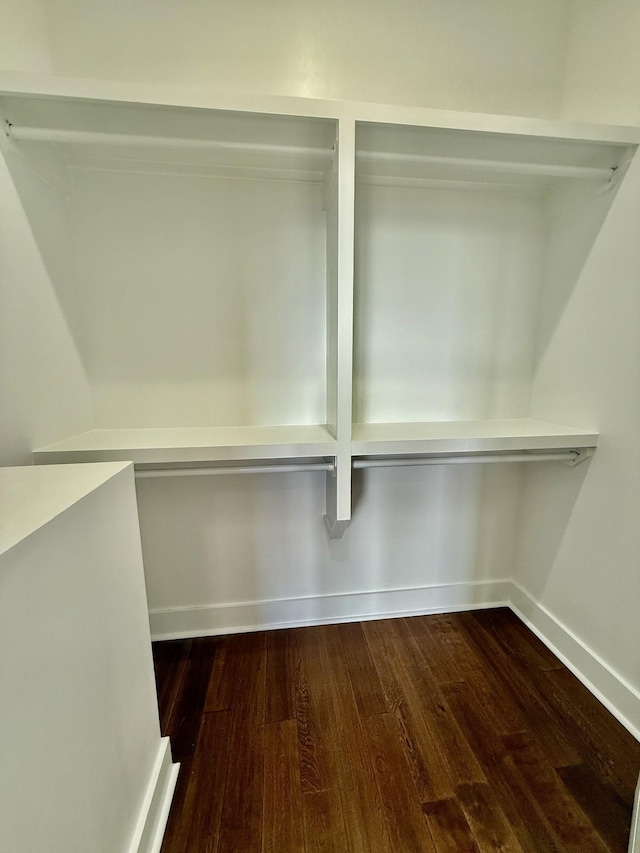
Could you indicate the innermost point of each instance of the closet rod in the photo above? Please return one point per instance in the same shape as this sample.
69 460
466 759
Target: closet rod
459 459
85 137
287 468
550 170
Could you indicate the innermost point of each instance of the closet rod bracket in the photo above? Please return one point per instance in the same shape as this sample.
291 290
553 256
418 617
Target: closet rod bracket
581 454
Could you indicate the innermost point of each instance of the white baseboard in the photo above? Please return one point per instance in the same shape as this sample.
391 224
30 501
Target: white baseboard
237 617
616 694
634 836
155 808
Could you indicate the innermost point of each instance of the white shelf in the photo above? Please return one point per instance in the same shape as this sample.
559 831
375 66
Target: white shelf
112 135
520 434
407 155
28 86
263 323
191 445
31 497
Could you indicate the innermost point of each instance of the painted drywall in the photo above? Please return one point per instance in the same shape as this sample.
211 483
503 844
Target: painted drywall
225 313
602 79
25 36
78 690
580 539
485 55
44 392
219 542
446 284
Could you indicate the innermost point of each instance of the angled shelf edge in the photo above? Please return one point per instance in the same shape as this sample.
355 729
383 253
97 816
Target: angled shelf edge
520 434
31 497
190 445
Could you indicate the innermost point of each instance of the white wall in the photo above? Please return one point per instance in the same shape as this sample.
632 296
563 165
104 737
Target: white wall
580 537
224 314
227 552
44 392
485 55
25 36
602 79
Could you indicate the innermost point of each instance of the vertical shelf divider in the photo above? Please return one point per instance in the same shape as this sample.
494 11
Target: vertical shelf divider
340 254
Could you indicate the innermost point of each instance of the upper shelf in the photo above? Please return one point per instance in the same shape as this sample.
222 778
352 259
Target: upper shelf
520 434
412 154
191 445
138 136
142 122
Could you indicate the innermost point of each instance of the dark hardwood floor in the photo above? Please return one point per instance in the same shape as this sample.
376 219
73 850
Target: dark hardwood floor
452 733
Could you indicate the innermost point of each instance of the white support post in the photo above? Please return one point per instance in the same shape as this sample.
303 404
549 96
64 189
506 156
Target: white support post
338 508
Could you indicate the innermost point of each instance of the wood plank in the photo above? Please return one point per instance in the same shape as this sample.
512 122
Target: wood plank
177 830
207 781
390 627
241 820
449 827
324 829
283 818
525 817
280 681
487 820
520 642
608 813
406 824
610 751
365 681
427 766
169 661
315 715
195 810
541 718
461 764
231 675
186 715
563 813
361 803
426 631
473 668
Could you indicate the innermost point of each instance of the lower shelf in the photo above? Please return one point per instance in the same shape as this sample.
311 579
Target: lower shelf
208 445
519 434
157 446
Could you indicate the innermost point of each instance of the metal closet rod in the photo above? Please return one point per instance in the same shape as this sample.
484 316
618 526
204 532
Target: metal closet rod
397 462
550 170
470 458
85 137
210 470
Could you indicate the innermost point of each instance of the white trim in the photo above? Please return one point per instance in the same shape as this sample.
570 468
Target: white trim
608 686
154 812
634 835
243 616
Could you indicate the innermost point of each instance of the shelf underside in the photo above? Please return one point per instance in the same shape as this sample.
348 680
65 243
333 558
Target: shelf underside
205 445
